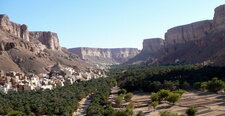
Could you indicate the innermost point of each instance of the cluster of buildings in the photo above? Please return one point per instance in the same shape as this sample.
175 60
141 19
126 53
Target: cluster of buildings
15 81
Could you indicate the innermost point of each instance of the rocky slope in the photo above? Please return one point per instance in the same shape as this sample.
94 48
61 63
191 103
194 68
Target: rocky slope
33 52
105 56
201 42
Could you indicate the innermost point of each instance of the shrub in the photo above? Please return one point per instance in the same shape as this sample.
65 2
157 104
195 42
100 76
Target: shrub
155 97
180 91
215 85
128 97
154 104
168 113
15 113
186 85
204 85
173 97
118 101
163 94
122 91
191 111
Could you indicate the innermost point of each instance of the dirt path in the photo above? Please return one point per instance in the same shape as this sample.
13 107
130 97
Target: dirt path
84 103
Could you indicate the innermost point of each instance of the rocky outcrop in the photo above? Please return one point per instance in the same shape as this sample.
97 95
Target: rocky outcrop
153 45
49 39
190 32
193 43
105 56
14 29
219 16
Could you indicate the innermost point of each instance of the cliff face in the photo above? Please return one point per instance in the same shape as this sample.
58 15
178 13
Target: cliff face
105 56
153 45
219 16
33 52
193 43
185 33
49 39
17 30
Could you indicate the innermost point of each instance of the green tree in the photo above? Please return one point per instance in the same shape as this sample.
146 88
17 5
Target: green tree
191 111
180 91
155 97
173 97
122 91
128 97
154 104
118 101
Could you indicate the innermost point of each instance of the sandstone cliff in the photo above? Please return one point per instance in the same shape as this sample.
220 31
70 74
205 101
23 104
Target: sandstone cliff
33 52
49 39
17 30
105 56
194 43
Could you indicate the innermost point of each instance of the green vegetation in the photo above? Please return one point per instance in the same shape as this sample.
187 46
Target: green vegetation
155 78
166 95
192 111
154 104
59 101
128 97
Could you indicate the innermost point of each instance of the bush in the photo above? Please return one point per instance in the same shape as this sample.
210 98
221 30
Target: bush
169 85
118 101
128 97
122 91
191 111
15 113
154 104
168 113
155 97
163 94
173 97
215 85
180 91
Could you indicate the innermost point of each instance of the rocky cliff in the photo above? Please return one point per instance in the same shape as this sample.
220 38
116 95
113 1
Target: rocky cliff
33 52
17 30
105 56
193 43
49 39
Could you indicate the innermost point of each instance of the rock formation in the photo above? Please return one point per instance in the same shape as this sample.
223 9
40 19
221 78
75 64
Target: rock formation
49 39
194 43
153 44
17 30
33 52
219 16
105 56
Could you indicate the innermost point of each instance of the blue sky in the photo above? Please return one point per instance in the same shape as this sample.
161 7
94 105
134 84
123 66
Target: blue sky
107 23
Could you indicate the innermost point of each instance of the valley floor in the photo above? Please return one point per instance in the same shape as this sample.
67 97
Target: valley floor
208 104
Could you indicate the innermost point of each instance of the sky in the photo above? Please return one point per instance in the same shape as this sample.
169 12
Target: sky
107 23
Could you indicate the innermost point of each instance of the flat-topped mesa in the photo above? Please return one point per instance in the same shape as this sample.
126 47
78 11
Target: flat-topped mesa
105 56
185 33
153 45
17 30
219 16
49 39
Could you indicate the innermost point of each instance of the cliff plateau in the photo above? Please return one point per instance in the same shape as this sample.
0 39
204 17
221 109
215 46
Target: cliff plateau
201 42
105 56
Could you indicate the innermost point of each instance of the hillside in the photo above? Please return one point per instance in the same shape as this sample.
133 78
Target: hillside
33 52
201 42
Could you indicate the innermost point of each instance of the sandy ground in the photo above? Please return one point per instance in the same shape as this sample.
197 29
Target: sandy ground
84 103
208 104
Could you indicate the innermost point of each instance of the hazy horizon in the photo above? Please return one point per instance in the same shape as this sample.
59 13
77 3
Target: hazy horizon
107 24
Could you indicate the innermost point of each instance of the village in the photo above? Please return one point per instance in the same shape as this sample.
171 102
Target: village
59 76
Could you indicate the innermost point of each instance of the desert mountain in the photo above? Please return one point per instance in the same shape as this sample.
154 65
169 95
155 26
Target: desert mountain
201 42
33 52
105 56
